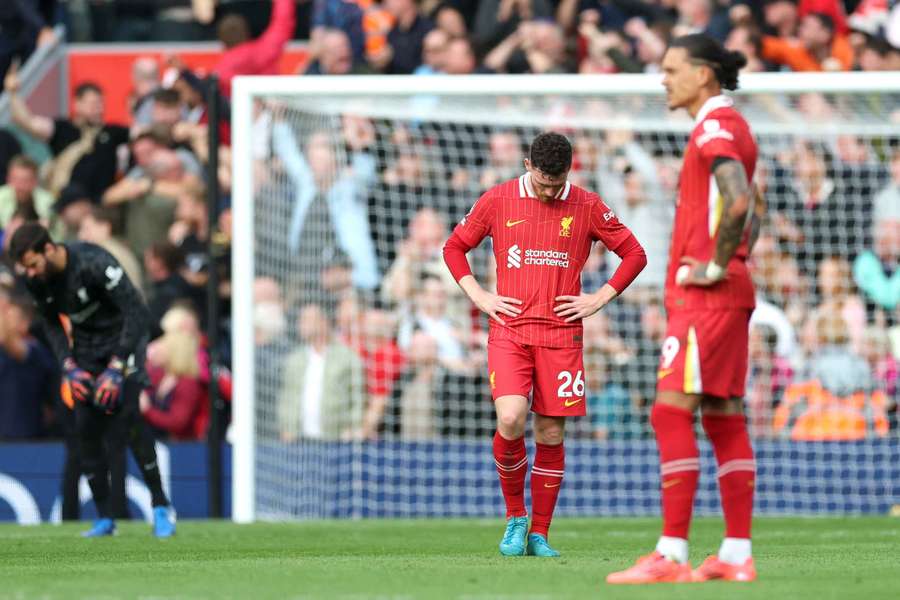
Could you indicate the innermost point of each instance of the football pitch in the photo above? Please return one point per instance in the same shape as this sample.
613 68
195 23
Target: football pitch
815 558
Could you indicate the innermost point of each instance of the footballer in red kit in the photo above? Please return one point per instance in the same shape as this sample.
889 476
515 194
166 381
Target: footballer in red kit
709 297
542 229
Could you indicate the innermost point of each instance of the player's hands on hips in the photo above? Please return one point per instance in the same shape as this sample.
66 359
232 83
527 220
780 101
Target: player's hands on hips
495 305
109 385
696 272
79 381
574 308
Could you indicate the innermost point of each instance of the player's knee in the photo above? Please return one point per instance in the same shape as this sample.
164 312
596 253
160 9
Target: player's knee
552 436
511 422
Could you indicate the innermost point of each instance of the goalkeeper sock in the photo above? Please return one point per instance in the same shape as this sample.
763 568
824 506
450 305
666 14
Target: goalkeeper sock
143 447
737 470
546 478
512 463
679 466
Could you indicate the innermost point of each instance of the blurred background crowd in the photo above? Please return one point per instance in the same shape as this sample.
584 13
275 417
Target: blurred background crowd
360 331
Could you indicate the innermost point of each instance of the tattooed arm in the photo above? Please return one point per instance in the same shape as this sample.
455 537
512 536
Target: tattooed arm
737 197
756 218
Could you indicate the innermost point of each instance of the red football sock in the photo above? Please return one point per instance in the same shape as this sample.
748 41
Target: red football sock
512 463
737 470
679 466
546 477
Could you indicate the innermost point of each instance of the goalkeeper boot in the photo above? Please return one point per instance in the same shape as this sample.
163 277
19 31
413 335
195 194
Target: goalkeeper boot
101 527
513 542
713 568
653 568
163 522
539 546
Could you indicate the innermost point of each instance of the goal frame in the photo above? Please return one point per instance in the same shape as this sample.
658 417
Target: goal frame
246 88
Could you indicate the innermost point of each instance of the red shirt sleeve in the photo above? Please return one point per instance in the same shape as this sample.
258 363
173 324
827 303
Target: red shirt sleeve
634 259
185 396
606 227
474 227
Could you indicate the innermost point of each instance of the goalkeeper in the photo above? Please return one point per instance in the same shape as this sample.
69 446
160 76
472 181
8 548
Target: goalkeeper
103 366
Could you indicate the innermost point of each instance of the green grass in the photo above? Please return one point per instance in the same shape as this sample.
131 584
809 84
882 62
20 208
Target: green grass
855 558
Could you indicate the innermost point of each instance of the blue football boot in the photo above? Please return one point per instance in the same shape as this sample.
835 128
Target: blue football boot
513 542
539 546
163 522
101 527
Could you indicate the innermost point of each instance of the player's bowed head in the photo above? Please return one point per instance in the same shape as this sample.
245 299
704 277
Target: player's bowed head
548 163
35 253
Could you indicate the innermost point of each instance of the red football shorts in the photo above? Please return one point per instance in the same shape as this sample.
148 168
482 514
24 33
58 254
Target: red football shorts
555 375
705 352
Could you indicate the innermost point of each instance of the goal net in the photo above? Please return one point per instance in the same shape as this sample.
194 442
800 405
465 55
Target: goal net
360 368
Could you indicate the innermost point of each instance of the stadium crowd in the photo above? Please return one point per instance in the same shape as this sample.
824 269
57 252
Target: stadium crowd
360 331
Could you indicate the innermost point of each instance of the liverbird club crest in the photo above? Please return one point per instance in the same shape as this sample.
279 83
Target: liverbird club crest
565 226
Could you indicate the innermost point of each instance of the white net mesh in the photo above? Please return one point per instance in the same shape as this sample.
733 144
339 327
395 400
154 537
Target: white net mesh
370 370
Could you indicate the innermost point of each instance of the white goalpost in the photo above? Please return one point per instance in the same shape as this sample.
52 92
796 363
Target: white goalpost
359 379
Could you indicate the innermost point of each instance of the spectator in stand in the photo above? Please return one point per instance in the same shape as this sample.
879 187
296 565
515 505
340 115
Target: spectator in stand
73 205
163 264
342 15
837 296
149 196
244 56
535 47
145 83
176 403
98 227
747 40
167 109
9 147
28 373
403 51
876 271
321 393
85 150
496 20
832 8
702 16
429 315
768 376
878 55
449 19
270 342
837 399
190 234
818 47
460 58
384 362
23 28
885 368
334 56
505 152
781 17
330 212
411 414
434 53
417 255
21 190
887 201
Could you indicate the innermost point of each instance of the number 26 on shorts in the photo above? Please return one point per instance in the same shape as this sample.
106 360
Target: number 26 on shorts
570 386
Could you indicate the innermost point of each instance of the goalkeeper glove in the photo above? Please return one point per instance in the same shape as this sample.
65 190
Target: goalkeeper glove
109 385
79 381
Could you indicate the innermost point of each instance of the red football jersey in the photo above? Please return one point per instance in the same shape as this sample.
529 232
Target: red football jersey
720 131
540 250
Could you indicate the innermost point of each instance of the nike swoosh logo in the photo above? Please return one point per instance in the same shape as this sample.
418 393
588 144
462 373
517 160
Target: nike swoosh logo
547 485
510 223
569 403
663 373
670 483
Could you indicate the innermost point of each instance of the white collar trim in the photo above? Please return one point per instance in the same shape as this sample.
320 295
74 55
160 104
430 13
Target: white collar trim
526 191
714 103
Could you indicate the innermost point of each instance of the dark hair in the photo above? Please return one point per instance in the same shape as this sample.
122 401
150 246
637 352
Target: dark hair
824 20
106 214
233 30
167 96
26 211
24 303
30 237
706 50
87 86
551 153
170 256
